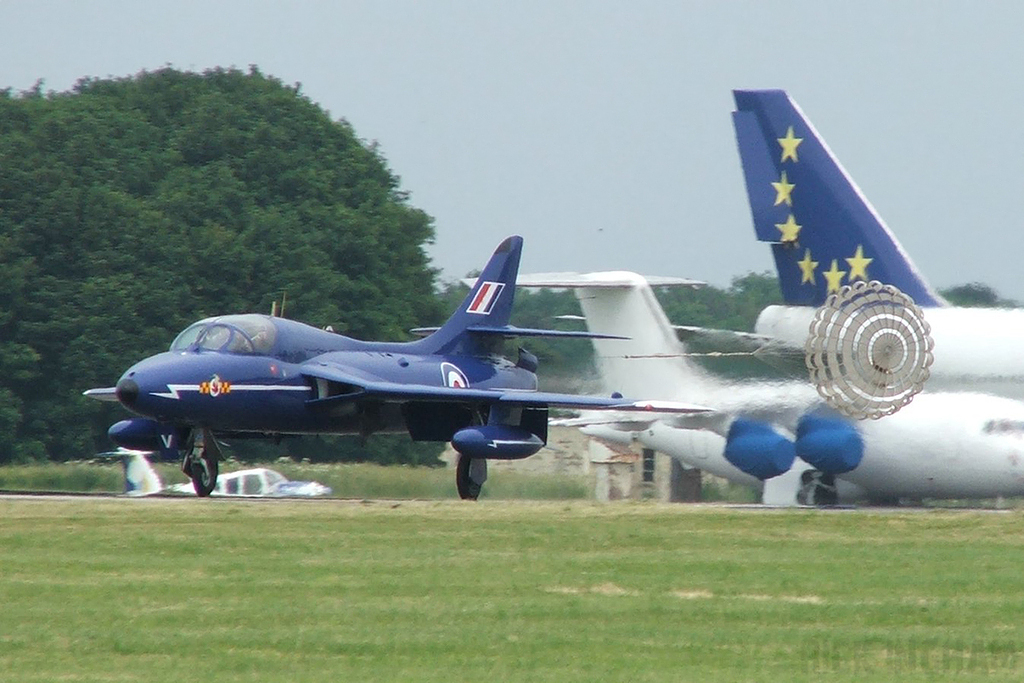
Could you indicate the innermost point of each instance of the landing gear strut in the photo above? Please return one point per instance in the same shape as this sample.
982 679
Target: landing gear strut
817 488
470 475
200 463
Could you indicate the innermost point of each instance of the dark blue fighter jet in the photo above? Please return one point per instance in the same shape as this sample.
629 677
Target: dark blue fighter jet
266 376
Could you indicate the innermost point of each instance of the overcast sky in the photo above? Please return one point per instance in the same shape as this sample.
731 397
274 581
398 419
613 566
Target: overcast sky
600 131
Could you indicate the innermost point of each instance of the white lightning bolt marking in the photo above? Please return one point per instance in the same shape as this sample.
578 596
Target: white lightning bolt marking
503 442
174 390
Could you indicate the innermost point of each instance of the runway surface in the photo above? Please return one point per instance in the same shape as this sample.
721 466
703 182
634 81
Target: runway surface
741 507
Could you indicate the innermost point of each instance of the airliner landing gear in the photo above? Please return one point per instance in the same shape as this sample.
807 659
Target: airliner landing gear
200 463
470 475
817 488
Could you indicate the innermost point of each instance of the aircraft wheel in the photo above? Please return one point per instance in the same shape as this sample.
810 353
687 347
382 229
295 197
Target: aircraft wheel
470 474
203 470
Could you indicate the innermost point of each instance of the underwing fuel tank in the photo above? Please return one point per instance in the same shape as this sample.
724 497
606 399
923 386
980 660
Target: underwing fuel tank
137 434
496 442
145 434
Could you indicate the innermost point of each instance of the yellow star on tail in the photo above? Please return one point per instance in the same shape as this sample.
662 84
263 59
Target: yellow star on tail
789 145
859 265
834 277
783 190
807 267
789 229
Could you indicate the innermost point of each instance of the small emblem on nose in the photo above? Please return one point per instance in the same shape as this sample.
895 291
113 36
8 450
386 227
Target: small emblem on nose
215 387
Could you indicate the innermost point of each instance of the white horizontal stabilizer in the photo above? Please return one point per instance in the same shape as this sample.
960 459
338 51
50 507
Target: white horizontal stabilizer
608 279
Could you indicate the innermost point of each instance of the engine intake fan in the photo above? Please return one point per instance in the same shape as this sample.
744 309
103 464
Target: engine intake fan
831 446
869 350
757 449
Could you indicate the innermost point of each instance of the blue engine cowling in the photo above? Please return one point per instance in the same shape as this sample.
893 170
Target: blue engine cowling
144 434
496 442
757 449
830 445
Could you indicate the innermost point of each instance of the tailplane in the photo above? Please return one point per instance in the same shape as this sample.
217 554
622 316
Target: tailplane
823 232
140 479
481 321
651 362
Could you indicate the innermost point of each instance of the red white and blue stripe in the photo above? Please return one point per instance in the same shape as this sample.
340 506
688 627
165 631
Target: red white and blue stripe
485 298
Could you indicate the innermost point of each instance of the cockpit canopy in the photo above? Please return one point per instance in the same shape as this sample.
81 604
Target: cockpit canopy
243 334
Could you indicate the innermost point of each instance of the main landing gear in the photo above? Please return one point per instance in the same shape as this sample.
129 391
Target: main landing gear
200 463
511 433
470 475
817 488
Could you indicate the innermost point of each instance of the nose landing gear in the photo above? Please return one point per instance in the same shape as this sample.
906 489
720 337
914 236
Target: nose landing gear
201 463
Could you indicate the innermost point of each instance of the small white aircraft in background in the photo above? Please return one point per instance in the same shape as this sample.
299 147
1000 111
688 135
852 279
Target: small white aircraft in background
258 482
142 480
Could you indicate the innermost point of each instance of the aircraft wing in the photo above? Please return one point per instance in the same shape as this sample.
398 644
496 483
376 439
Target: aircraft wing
358 388
512 332
619 420
728 341
746 354
614 419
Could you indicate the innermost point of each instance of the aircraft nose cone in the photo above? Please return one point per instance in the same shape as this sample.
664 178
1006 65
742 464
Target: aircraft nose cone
127 391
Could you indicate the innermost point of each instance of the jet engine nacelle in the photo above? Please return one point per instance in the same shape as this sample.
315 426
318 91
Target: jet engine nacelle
144 434
757 449
829 445
609 433
496 442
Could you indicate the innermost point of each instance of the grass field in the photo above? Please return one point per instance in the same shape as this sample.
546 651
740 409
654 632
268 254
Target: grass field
217 590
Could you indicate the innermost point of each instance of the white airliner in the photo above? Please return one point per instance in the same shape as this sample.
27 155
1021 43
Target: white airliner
141 479
963 437
941 445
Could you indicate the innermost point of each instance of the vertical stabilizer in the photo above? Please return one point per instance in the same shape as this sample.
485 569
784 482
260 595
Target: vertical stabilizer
489 303
651 361
140 479
823 232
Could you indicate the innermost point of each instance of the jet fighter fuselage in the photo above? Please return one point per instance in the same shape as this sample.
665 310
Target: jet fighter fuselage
294 379
257 375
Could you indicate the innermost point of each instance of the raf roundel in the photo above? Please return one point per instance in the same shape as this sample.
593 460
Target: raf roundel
453 377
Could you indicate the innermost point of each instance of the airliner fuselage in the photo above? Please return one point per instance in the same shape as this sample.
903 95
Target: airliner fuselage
976 349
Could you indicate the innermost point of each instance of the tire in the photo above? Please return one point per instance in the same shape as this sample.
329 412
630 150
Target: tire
203 471
468 489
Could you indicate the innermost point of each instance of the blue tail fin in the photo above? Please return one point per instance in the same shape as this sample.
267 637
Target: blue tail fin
489 303
824 233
